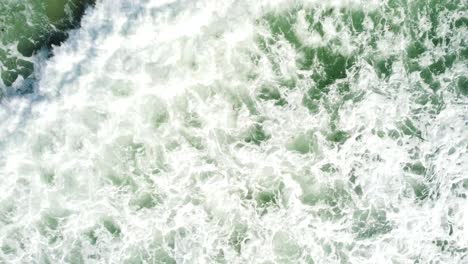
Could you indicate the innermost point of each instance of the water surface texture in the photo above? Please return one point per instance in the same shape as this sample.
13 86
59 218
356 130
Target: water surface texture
243 131
26 26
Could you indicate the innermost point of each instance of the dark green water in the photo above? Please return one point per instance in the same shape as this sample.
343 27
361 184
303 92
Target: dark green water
27 26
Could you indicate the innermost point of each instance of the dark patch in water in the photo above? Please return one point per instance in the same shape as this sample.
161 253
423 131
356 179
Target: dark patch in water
34 25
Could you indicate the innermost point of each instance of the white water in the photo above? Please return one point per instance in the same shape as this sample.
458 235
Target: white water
146 142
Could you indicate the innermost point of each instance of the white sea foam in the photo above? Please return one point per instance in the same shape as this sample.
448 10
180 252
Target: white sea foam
148 140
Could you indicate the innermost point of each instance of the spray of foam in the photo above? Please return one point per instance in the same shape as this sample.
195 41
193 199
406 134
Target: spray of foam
243 132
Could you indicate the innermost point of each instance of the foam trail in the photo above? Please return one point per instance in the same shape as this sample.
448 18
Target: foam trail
243 132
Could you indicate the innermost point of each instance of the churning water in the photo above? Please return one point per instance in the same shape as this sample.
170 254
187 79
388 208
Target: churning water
26 26
243 131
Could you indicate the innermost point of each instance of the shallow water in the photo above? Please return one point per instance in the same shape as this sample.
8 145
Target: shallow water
243 132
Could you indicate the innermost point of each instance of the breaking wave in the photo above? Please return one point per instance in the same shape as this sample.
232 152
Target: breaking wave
243 132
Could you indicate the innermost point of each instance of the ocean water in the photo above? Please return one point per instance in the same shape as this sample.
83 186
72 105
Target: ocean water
237 131
27 29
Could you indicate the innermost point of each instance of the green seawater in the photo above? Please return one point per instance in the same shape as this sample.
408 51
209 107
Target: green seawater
29 25
241 131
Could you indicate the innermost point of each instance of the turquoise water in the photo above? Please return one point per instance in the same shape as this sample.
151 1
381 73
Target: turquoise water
243 132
